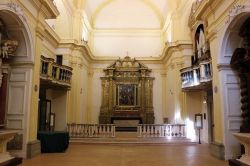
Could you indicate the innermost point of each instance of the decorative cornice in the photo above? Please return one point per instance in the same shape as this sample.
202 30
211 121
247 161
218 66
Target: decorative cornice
47 7
51 36
174 46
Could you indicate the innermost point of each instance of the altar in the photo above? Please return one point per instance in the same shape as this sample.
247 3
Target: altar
126 123
127 94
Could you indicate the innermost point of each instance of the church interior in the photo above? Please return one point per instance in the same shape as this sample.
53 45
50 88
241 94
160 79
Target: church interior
94 73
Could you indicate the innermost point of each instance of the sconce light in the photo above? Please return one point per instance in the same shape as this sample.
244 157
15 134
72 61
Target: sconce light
204 100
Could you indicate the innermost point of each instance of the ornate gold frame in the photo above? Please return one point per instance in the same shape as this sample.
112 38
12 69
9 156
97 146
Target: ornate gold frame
127 71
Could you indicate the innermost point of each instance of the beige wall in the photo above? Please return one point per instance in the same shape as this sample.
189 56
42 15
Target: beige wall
121 43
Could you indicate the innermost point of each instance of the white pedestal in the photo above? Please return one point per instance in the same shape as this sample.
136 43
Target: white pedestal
244 139
5 137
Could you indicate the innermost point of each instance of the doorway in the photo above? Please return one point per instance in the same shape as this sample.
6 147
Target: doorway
44 115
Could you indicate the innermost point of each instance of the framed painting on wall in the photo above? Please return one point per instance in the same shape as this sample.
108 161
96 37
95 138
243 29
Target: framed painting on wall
126 94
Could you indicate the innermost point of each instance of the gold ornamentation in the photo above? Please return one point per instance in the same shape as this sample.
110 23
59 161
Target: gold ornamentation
124 73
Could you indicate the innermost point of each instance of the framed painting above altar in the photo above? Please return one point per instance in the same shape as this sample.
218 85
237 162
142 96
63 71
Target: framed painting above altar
126 95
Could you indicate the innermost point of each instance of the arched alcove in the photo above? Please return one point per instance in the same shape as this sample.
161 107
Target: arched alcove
17 73
230 83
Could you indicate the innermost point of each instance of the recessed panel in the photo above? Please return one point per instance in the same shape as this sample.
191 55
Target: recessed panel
16 99
18 76
233 95
15 123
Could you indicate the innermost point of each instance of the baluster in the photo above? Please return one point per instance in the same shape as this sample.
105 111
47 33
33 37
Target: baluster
154 131
101 130
180 130
108 131
84 130
76 134
170 131
184 130
167 130
148 130
93 130
76 130
144 130
96 130
73 130
63 79
176 130
173 130
113 126
105 130
80 130
139 130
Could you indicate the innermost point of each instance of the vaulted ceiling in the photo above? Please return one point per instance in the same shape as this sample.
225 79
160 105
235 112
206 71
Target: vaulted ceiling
127 14
138 28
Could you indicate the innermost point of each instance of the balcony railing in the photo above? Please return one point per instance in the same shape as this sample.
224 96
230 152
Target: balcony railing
161 130
196 75
55 73
91 130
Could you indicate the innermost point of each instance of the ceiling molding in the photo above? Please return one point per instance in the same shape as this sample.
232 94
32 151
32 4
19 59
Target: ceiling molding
86 52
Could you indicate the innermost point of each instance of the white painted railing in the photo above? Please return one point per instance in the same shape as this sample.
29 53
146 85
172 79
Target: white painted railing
91 130
162 130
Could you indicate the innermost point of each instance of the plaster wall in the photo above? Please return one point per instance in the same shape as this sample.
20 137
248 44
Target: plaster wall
122 43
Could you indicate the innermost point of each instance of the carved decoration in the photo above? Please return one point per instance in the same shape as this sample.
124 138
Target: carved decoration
18 10
8 47
127 91
241 63
234 11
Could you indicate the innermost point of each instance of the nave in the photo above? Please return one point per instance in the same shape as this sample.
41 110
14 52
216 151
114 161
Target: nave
128 155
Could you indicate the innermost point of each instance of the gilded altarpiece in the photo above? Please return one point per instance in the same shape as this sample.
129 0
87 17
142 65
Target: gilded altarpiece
127 92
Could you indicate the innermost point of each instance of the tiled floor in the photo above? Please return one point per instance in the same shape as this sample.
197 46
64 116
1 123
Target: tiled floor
128 155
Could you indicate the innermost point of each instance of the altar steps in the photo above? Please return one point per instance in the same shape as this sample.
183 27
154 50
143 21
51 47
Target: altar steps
131 138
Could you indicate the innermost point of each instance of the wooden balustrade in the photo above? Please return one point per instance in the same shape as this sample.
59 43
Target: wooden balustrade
161 130
57 74
91 130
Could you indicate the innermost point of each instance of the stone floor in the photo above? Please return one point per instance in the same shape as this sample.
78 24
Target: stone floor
128 155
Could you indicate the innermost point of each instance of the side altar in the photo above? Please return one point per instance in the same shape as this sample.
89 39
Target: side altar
127 94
